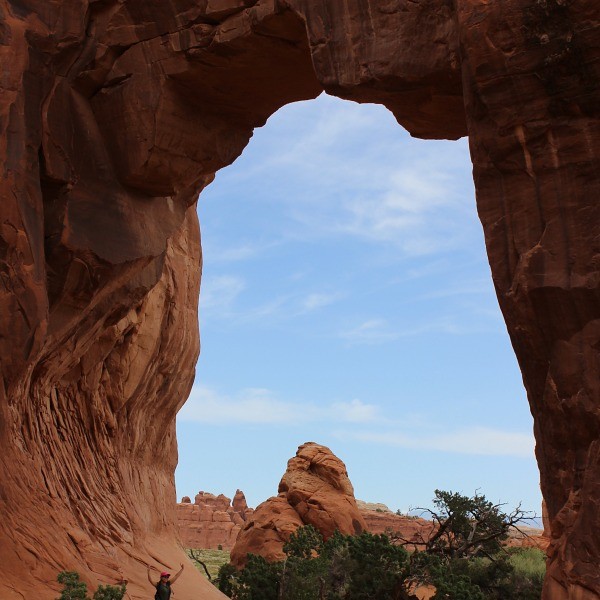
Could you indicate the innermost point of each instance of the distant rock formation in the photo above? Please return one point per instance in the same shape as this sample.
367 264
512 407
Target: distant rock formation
215 521
240 505
315 490
380 519
212 521
528 537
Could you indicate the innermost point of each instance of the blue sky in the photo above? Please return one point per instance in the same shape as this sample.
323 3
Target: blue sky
347 300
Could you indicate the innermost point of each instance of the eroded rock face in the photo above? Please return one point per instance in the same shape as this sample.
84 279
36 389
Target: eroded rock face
270 528
113 116
314 490
212 521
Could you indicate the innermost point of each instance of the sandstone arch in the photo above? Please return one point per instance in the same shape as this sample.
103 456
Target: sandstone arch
115 113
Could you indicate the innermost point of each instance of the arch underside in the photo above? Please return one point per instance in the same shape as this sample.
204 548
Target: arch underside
115 114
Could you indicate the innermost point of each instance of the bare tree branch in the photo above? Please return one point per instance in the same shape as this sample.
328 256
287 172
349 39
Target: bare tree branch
196 557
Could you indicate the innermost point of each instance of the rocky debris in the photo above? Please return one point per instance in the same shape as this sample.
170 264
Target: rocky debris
314 490
212 521
114 115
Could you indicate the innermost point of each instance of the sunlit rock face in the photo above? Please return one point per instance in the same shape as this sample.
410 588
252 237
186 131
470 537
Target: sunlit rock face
115 114
314 490
212 521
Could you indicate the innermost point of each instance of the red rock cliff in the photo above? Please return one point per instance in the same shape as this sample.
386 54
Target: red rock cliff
115 113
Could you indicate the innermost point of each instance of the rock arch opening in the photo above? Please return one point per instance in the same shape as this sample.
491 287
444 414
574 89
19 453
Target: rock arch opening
345 289
115 114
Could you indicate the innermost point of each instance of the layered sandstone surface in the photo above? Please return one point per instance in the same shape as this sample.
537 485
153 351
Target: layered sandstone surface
113 116
314 490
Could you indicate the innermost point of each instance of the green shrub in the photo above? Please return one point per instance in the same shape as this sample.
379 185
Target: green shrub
529 566
463 559
75 589
258 581
530 562
110 592
226 579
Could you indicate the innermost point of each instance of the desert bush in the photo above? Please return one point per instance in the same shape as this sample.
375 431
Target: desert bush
109 592
75 589
530 562
258 581
463 559
362 567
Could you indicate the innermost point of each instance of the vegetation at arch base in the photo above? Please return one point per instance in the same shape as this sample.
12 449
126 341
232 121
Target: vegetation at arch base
463 559
75 589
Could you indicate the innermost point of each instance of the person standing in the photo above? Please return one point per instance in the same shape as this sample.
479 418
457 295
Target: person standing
163 586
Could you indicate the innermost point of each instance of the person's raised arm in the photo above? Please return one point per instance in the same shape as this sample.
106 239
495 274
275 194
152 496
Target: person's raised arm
176 576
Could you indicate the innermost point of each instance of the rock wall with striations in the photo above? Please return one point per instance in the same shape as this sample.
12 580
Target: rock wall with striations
113 116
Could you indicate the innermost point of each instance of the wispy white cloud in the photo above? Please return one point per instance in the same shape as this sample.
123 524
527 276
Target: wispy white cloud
318 300
380 331
404 210
373 331
473 440
219 298
464 288
272 309
322 165
252 405
356 411
220 292
233 253
262 406
404 192
216 251
259 406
